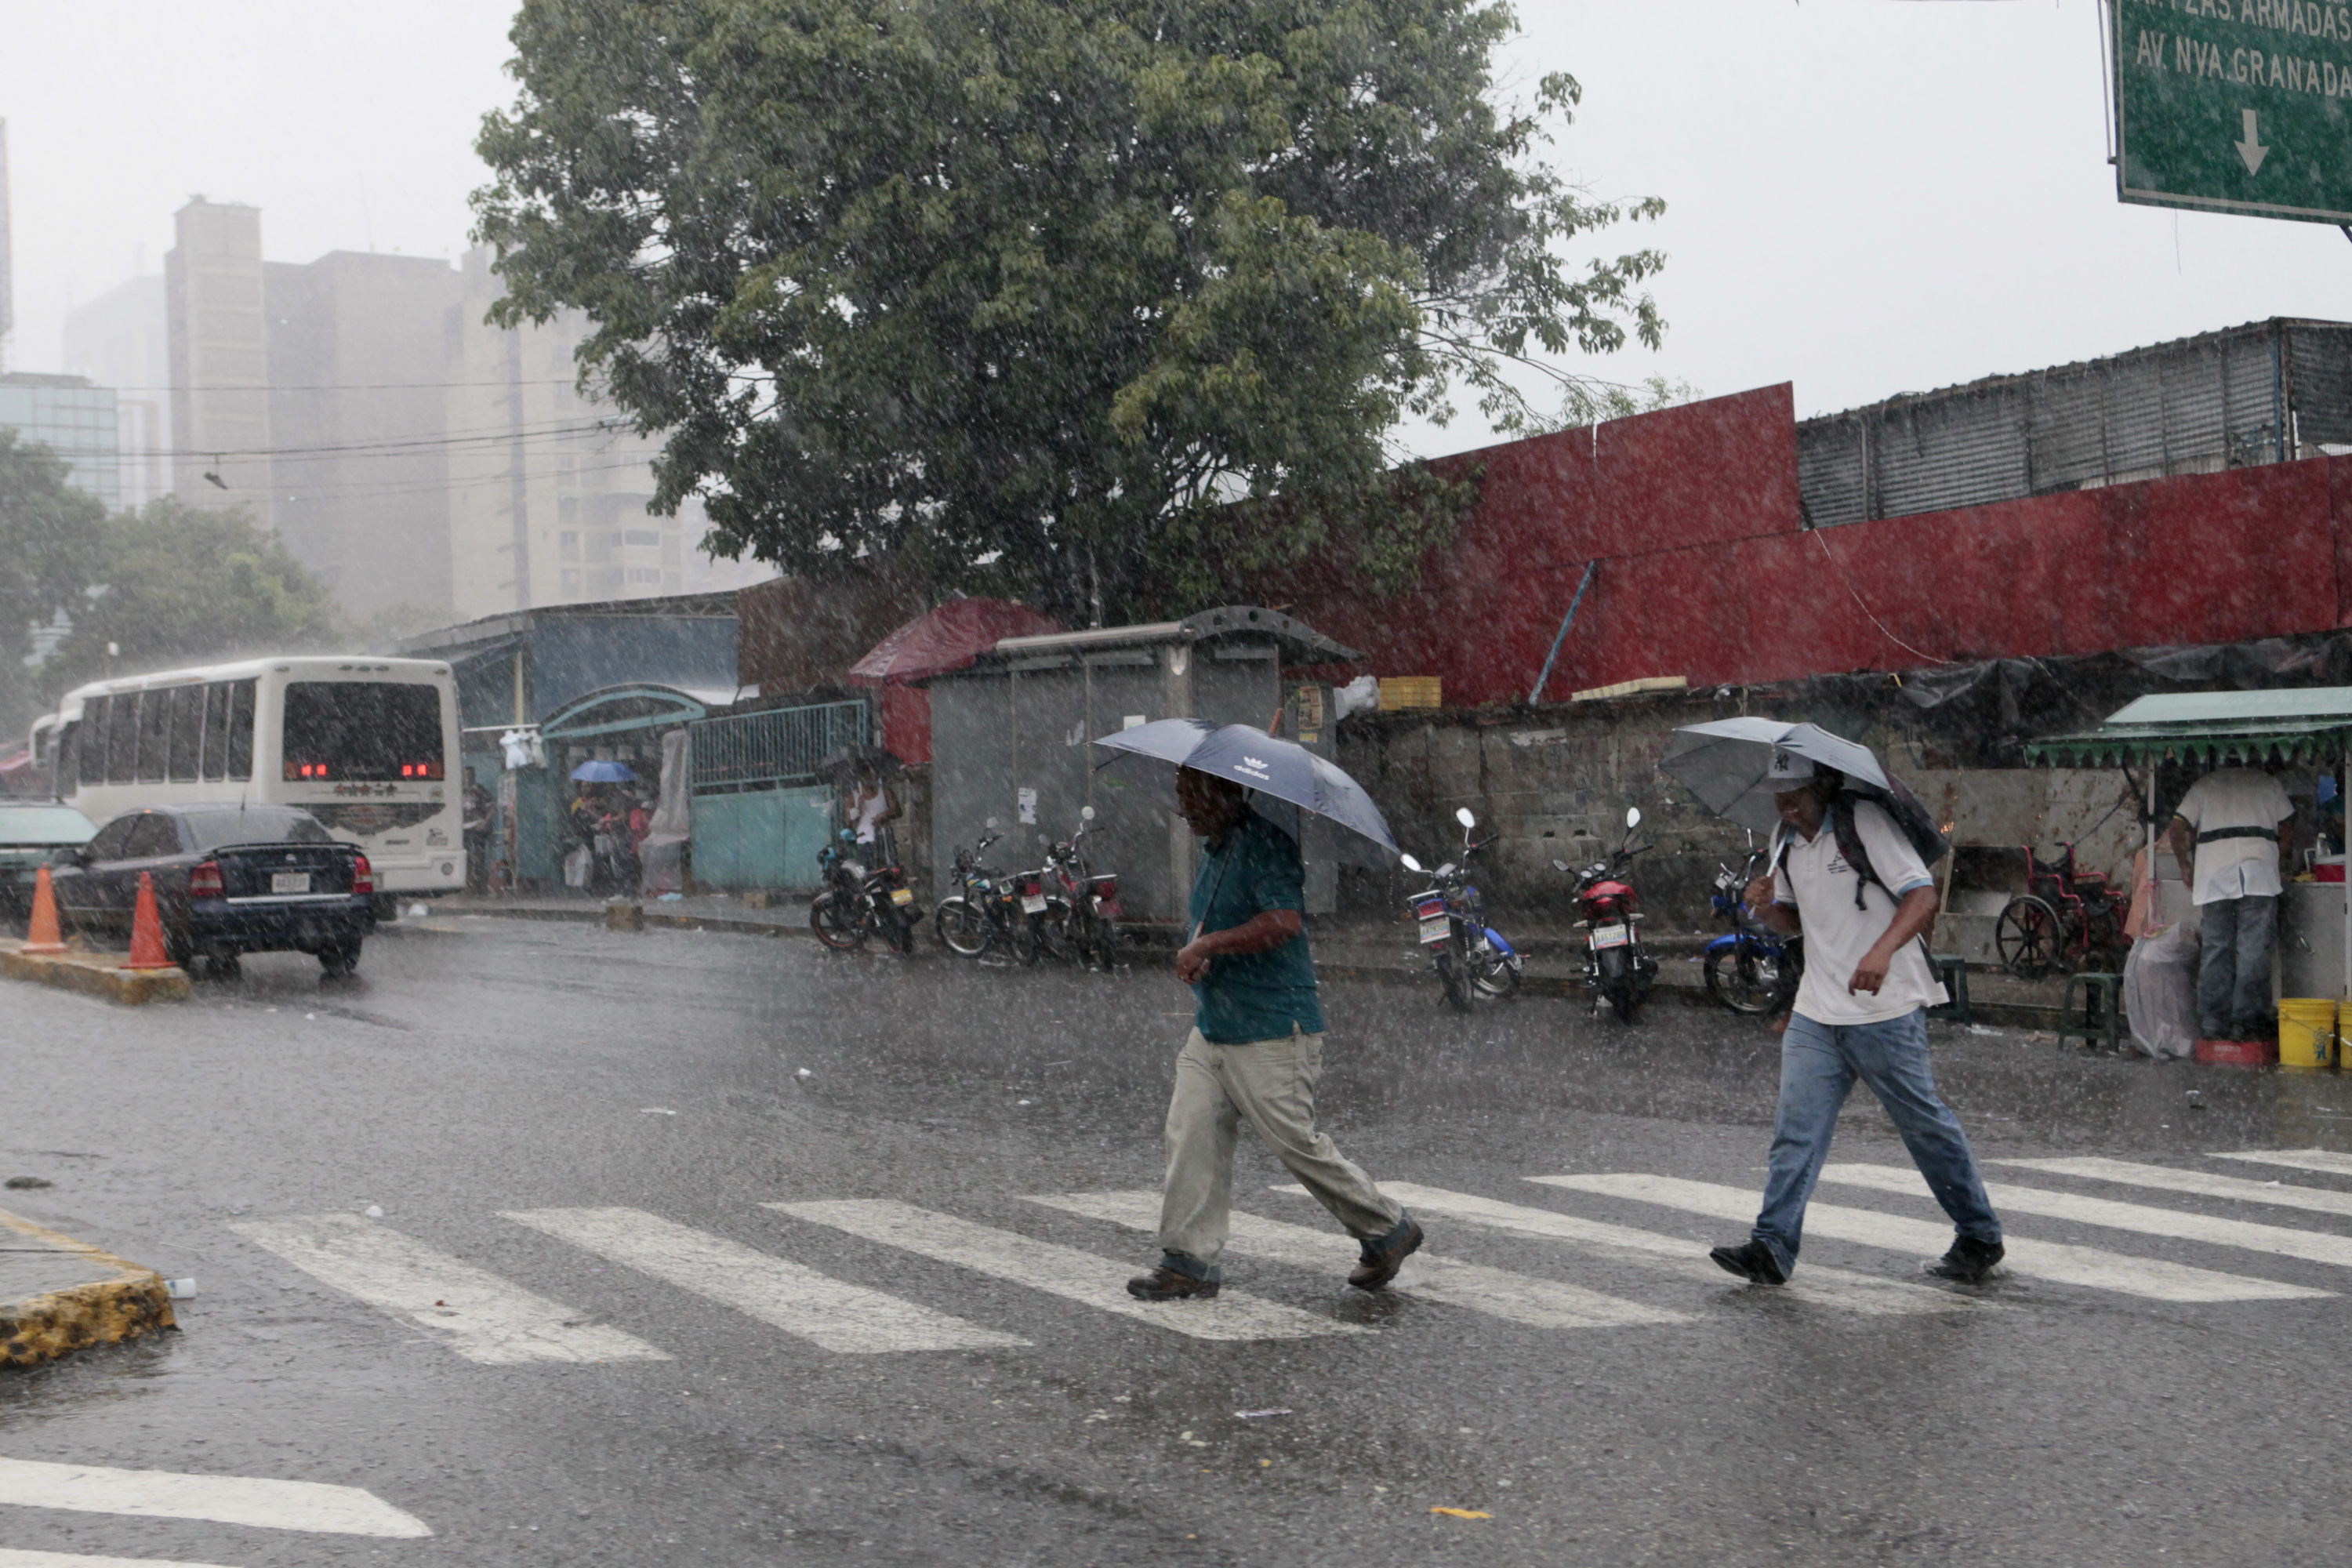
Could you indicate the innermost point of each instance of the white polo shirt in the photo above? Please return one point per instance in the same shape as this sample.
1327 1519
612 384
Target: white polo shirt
1815 880
2245 866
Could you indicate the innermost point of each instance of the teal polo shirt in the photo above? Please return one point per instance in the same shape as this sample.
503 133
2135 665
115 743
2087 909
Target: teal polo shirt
1254 996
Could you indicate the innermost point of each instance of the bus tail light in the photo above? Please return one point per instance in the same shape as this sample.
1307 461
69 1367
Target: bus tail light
362 878
204 881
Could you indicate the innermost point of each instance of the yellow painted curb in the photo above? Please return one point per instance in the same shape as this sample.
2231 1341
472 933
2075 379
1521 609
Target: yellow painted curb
119 1301
93 973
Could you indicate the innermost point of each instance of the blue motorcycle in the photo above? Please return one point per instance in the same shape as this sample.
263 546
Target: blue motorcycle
1751 968
1474 963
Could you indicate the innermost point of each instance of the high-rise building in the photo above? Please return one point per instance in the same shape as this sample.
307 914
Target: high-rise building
218 334
121 339
70 417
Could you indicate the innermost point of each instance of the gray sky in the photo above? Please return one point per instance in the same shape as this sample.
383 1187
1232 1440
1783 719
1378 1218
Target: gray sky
1867 198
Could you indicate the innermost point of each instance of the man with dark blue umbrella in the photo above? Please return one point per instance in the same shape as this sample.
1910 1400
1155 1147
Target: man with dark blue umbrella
1255 1053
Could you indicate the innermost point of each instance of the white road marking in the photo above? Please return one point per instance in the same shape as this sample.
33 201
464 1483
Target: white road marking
1062 1271
2325 1161
825 1311
224 1499
482 1317
2313 1247
2068 1264
1839 1287
1497 1292
2204 1183
12 1557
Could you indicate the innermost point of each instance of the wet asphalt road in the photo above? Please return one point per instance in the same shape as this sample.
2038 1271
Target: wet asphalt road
512 1065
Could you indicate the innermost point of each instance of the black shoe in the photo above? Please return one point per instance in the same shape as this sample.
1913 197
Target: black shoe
1752 1261
1968 1261
1383 1258
1165 1284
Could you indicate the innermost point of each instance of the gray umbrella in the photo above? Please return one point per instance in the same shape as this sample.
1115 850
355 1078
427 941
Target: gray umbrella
1724 764
1272 769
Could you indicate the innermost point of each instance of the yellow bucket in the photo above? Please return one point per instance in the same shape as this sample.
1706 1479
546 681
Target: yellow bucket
2307 1032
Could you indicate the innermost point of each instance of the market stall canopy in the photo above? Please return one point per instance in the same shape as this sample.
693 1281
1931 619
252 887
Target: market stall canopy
949 637
2211 727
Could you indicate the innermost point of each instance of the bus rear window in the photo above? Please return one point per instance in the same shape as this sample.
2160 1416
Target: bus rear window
368 732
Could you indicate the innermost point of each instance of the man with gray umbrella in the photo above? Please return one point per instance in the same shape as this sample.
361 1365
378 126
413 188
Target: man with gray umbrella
1254 1054
1847 876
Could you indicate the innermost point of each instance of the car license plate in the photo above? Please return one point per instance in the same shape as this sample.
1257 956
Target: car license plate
1034 904
290 881
1435 929
902 895
1610 936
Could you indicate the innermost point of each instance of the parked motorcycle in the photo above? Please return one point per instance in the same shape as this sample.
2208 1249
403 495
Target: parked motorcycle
858 900
1473 961
1080 922
983 912
1618 967
1750 968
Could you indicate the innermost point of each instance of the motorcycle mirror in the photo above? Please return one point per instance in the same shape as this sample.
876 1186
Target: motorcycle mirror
1632 818
1086 814
1559 865
1410 863
1466 818
992 824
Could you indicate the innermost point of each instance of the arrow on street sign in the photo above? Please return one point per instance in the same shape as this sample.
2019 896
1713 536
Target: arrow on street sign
2251 148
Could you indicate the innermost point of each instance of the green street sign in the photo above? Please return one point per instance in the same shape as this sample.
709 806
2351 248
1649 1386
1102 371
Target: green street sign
2241 106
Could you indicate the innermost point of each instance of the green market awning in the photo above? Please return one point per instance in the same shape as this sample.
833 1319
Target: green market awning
2211 727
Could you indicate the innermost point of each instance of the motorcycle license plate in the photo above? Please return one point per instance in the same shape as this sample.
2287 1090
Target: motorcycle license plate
1610 936
1435 929
1034 904
902 895
290 881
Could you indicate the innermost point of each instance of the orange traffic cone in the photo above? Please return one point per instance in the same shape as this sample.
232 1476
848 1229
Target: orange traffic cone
42 935
147 929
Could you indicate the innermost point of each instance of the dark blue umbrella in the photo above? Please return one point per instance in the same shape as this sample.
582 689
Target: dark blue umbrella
603 773
1273 770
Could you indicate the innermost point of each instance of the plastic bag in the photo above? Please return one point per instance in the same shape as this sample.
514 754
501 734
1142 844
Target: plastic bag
575 867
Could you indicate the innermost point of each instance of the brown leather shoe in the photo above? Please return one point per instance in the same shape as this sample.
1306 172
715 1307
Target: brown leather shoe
1165 1284
1383 1258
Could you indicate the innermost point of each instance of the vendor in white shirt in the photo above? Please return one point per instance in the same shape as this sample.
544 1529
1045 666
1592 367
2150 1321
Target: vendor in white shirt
2239 819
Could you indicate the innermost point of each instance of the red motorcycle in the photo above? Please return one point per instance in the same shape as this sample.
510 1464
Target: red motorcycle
1618 967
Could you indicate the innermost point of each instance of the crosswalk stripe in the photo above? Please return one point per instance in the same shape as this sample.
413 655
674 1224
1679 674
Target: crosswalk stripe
225 1499
2203 1184
482 1317
16 1557
825 1311
2313 1247
2059 1261
2325 1161
1062 1271
1837 1288
1497 1292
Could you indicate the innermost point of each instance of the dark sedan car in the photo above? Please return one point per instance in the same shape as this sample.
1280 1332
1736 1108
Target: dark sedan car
229 879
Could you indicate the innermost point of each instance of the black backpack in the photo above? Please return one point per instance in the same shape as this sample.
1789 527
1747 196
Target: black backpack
1912 819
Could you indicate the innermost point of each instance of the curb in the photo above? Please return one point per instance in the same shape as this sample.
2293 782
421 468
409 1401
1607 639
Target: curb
112 1301
94 974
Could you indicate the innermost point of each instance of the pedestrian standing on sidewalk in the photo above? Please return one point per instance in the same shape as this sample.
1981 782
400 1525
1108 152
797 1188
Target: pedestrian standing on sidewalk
1862 1013
2239 817
1254 1054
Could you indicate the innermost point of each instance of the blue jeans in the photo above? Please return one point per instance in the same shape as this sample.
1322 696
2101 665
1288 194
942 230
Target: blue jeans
2233 969
1819 1063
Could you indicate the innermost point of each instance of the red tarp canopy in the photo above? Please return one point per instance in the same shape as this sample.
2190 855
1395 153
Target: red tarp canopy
949 637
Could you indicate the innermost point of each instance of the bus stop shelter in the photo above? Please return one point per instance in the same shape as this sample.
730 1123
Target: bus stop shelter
2218 729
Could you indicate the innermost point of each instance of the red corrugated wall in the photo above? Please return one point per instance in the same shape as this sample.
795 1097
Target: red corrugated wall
1705 573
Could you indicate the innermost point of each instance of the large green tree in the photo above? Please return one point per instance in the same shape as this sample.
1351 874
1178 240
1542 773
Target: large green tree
1026 291
175 584
48 549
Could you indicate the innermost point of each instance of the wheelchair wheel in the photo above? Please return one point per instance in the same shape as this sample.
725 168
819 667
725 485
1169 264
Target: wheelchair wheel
2029 937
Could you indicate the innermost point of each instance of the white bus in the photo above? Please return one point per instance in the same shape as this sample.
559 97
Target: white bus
365 745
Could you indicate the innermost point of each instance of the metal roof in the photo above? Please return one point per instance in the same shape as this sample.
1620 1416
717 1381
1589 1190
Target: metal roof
2211 726
1301 644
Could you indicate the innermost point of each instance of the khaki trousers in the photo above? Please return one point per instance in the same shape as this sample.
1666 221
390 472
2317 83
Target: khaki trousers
1271 1084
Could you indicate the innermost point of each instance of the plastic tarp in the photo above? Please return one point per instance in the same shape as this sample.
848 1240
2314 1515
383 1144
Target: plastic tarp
662 857
948 638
